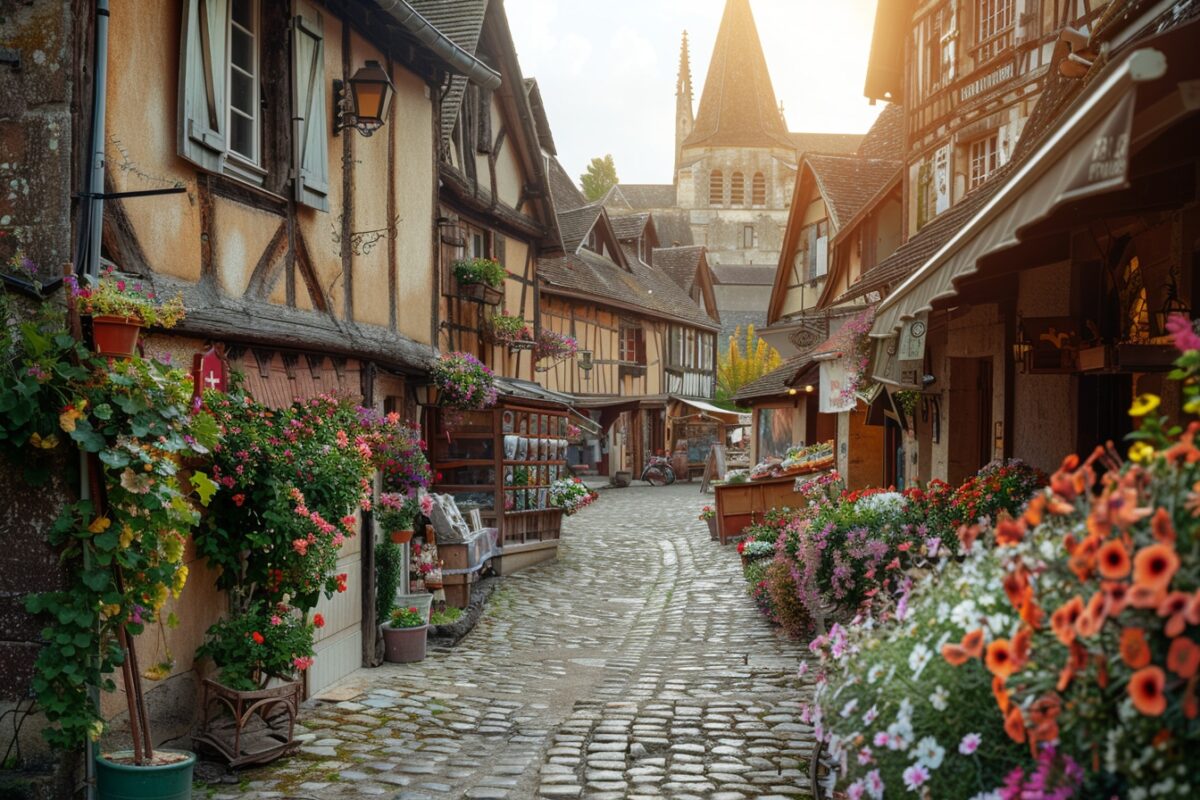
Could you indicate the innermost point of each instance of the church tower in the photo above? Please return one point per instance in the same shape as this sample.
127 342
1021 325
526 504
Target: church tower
684 120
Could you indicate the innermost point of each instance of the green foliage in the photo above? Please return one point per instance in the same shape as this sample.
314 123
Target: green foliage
263 642
480 270
122 562
464 382
115 295
389 567
601 176
447 617
744 362
786 605
508 329
407 618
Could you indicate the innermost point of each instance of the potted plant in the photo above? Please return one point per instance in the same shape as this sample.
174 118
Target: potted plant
510 330
571 495
120 307
709 515
480 279
464 382
397 451
122 550
404 636
552 344
397 513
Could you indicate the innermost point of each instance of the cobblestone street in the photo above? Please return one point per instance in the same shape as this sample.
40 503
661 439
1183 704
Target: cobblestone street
634 666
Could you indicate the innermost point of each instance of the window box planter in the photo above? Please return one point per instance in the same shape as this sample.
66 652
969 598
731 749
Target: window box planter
169 781
481 292
252 727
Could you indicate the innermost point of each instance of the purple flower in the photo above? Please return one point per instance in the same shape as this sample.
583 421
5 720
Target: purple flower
915 776
1180 327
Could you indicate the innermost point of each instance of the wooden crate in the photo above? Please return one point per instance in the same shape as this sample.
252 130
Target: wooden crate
743 504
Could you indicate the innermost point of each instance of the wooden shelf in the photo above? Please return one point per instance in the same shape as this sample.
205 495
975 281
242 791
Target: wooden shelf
465 462
535 463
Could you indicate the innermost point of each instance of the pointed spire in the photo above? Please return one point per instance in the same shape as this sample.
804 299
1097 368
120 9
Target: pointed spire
738 106
683 85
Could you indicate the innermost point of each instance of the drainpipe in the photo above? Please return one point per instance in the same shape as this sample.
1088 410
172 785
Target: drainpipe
455 57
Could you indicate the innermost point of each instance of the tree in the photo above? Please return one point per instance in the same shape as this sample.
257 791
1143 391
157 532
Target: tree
739 366
601 176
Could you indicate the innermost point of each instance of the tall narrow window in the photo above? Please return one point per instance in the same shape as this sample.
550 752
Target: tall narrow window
749 237
758 190
243 79
737 190
716 188
995 27
984 159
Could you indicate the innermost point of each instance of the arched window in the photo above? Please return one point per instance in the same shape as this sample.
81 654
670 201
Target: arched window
758 190
737 190
716 188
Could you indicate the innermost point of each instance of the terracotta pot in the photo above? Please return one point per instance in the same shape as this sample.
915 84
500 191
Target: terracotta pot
116 336
402 537
404 645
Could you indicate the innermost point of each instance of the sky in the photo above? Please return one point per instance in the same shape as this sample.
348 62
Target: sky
607 70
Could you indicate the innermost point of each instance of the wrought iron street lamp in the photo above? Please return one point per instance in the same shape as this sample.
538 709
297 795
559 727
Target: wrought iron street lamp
370 98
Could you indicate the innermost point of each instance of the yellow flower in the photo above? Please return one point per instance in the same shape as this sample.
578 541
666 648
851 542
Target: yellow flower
1143 404
66 420
181 577
95 729
110 610
126 536
48 443
1141 452
99 525
161 593
1192 406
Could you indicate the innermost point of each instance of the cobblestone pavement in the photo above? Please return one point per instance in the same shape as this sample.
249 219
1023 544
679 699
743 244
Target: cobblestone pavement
634 666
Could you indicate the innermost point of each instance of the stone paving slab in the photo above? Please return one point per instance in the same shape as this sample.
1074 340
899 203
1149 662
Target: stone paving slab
634 666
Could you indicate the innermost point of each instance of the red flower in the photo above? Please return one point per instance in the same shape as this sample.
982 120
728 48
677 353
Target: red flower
319 620
238 499
257 637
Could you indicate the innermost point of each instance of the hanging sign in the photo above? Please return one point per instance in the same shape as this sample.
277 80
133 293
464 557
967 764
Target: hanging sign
835 379
209 371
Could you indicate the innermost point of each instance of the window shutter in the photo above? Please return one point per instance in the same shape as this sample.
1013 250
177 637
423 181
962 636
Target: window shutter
639 345
310 157
202 62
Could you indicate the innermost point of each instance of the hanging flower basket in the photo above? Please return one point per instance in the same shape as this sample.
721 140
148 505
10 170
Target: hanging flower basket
552 344
509 330
464 382
402 537
116 336
481 292
480 279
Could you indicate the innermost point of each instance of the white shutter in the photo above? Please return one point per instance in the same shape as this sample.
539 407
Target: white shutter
941 178
203 59
311 127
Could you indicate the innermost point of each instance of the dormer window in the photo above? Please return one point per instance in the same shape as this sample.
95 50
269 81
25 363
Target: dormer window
716 188
737 190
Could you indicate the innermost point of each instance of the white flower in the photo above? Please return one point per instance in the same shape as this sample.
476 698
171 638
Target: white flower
914 777
987 796
998 623
969 744
883 502
1138 793
939 698
918 658
848 709
930 753
965 615
871 715
904 712
874 673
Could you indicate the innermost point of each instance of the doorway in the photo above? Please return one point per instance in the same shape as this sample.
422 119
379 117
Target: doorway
970 446
1103 405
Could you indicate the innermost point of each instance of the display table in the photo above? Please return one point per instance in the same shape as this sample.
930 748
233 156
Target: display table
742 504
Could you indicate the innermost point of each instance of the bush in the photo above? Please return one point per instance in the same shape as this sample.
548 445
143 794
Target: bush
786 606
1002 487
389 567
480 270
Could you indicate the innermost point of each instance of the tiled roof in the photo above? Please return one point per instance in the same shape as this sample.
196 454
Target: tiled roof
848 182
886 137
825 142
738 106
642 196
461 21
776 382
674 228
737 275
681 263
541 121
628 226
563 191
574 225
640 287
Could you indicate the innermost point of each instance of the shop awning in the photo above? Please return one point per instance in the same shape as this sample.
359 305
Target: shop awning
709 410
1087 155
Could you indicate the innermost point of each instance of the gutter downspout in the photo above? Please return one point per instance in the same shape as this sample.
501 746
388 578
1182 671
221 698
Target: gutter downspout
458 59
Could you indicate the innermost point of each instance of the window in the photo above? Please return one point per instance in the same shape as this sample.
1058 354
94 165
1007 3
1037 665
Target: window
815 249
994 28
716 188
749 237
243 80
633 348
758 190
737 190
983 159
934 62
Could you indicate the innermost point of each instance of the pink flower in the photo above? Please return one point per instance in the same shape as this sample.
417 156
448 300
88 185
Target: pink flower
881 739
970 743
865 757
875 784
1180 327
915 776
302 662
342 439
300 546
856 790
275 620
426 504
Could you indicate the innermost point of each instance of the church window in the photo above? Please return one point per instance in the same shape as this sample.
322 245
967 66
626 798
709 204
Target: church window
737 190
716 188
758 190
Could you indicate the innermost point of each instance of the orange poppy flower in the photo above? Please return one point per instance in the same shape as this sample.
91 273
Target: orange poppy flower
1001 694
1032 614
1062 482
1125 509
1021 645
1092 618
1063 620
999 660
1161 527
1046 707
1146 690
1192 615
967 534
1134 650
1065 676
1101 671
955 655
1142 596
1174 607
1081 564
972 643
1155 565
1035 510
1014 725
1183 658
1113 559
1009 532
1016 586
1118 596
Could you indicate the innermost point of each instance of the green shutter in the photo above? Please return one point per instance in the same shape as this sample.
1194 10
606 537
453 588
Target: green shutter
311 126
202 62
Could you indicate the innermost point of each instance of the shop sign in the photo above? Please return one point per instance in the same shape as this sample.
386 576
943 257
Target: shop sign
835 377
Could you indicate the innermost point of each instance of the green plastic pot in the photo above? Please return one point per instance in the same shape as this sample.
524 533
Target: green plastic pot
128 782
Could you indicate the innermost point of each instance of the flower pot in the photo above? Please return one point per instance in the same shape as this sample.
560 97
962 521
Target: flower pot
116 336
117 781
422 601
402 537
712 528
488 295
404 645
